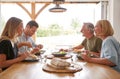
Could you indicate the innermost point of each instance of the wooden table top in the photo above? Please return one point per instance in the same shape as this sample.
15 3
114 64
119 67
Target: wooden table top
33 70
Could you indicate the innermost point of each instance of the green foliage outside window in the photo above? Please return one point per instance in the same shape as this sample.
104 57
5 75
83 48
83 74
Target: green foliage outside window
56 30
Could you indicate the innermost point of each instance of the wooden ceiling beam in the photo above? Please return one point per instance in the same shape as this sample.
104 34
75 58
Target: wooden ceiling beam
24 8
69 2
42 9
33 15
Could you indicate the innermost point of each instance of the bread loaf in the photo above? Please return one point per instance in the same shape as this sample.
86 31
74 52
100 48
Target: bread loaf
60 62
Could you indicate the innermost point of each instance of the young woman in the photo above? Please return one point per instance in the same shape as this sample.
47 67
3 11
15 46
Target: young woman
8 46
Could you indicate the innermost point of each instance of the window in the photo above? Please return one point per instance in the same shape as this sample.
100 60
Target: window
56 28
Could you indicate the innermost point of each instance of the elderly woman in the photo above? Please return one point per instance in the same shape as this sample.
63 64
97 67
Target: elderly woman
110 51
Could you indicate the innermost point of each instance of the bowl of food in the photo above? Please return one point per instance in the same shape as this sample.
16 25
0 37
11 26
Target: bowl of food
59 54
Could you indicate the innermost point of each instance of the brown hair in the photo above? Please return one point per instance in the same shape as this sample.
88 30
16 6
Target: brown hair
107 29
33 23
11 27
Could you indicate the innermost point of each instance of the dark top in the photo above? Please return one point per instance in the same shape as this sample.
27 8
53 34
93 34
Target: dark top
7 49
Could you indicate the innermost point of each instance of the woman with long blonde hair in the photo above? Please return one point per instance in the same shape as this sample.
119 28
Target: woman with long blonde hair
8 46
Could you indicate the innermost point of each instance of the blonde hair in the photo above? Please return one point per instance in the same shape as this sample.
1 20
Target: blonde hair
107 29
10 29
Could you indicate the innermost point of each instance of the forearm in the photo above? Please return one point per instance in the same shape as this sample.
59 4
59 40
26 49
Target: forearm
103 61
8 63
78 47
28 44
20 44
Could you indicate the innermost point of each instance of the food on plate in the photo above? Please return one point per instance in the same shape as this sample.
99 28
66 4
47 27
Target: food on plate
59 63
59 54
77 50
62 52
65 50
33 56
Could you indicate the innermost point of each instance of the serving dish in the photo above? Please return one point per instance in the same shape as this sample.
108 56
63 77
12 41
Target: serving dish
72 69
59 54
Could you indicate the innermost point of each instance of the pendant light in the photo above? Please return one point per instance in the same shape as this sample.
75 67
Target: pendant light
57 7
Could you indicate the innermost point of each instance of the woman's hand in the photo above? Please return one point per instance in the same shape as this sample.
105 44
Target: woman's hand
24 55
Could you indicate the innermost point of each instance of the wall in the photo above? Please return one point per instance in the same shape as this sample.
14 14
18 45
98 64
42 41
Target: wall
114 17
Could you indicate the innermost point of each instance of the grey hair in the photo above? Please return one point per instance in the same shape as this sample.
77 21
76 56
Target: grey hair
90 26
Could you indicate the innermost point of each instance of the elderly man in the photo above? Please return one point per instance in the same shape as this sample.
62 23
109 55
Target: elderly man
25 41
91 43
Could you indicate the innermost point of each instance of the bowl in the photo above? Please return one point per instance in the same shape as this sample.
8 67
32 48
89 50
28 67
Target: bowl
58 54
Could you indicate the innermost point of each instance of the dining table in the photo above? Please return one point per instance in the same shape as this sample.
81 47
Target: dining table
34 70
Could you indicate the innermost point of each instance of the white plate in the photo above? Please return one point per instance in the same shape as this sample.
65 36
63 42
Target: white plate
29 59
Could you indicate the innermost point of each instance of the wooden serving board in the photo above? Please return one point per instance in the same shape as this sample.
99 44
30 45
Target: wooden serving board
49 68
52 56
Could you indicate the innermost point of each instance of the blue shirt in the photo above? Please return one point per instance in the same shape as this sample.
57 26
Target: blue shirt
24 38
111 50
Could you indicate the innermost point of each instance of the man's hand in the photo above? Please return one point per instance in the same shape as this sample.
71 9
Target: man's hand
40 46
85 56
34 50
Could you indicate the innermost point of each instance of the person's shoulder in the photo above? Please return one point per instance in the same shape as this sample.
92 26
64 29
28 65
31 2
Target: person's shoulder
5 42
22 35
84 40
108 40
111 39
97 38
